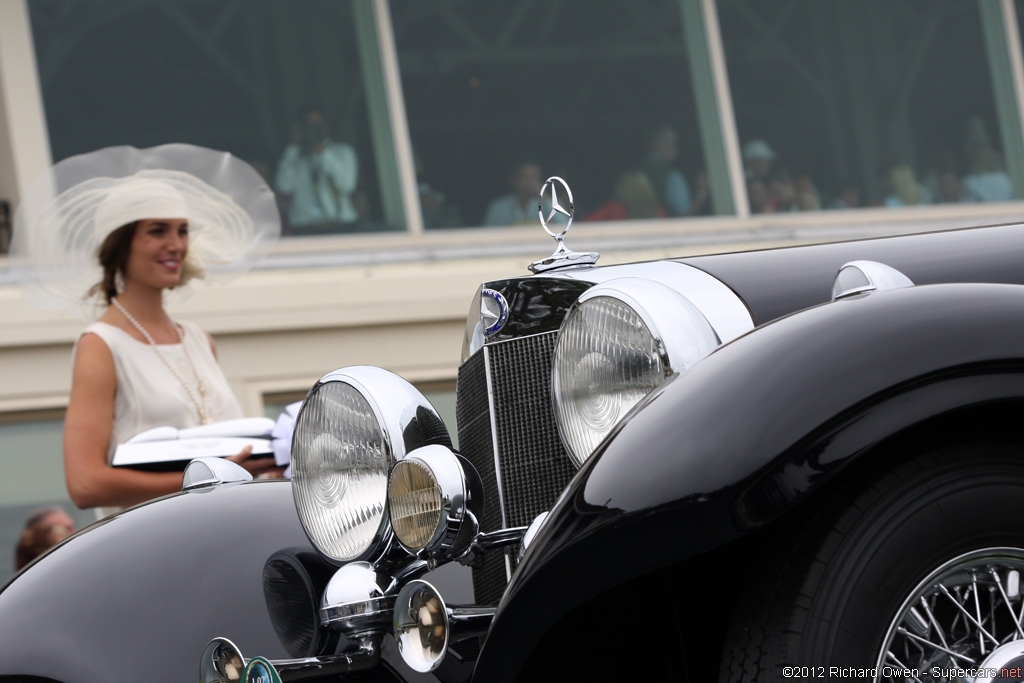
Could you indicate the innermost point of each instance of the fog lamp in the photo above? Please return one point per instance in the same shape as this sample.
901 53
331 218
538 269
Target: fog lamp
428 495
421 626
415 500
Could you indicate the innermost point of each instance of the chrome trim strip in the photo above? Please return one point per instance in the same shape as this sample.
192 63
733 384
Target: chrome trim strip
368 610
494 446
680 330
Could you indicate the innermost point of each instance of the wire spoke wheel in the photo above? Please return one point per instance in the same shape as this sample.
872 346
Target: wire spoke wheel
964 622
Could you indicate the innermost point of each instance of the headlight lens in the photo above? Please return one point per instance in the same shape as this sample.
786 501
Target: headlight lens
429 496
340 471
415 500
613 350
355 424
605 362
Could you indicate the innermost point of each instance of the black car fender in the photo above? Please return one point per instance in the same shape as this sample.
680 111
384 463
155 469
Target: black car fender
750 431
138 595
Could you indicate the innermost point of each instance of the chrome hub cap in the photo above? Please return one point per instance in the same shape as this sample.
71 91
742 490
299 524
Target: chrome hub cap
964 622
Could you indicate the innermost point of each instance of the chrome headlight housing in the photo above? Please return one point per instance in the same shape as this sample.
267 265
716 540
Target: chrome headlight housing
355 424
430 496
620 341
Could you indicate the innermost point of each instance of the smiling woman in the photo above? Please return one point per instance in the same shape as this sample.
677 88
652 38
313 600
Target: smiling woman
135 237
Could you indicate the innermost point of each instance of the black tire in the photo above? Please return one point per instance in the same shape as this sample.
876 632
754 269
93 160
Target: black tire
830 586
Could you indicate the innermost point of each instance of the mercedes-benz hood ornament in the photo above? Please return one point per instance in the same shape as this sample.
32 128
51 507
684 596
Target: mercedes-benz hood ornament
560 201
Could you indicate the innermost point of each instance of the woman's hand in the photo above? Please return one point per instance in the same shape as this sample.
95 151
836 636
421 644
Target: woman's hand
257 467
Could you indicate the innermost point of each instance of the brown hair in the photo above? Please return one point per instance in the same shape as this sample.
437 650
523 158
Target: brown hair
113 256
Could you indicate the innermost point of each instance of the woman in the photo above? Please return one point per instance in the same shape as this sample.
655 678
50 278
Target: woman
135 368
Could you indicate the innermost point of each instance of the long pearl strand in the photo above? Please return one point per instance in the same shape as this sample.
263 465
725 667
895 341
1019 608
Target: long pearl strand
198 399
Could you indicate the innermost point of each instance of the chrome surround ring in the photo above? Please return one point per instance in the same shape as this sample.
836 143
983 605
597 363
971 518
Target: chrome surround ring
679 328
680 336
492 321
724 309
941 623
355 600
221 662
416 601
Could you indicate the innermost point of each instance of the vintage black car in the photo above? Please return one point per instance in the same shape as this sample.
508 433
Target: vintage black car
794 463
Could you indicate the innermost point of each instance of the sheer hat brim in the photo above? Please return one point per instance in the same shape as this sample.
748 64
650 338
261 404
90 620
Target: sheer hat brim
68 213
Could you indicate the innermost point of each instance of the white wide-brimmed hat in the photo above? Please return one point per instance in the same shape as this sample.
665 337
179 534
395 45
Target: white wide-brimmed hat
68 213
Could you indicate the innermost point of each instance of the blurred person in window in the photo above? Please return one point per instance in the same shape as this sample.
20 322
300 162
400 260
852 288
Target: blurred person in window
849 196
760 198
520 205
807 197
758 159
437 211
951 189
116 243
986 179
44 528
670 186
783 191
633 198
319 175
903 188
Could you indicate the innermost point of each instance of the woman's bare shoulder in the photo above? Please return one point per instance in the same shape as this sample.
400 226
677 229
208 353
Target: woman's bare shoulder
92 349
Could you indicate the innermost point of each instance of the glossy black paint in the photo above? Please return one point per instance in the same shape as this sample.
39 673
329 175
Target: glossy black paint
750 431
536 304
137 596
776 282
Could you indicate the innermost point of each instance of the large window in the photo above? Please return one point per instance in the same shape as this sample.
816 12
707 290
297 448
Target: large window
501 95
33 466
869 103
292 88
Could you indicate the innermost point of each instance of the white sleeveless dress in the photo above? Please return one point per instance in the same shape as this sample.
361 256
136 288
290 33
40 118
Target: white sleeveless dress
149 395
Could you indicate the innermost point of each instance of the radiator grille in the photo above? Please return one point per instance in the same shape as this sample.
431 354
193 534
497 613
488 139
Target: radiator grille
534 467
475 443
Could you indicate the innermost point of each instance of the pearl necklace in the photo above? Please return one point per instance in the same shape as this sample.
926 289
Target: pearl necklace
198 399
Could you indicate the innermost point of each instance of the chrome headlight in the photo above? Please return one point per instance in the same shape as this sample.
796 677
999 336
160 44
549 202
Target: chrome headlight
619 342
428 498
354 425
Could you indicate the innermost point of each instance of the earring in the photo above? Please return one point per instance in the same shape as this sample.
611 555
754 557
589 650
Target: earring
119 282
